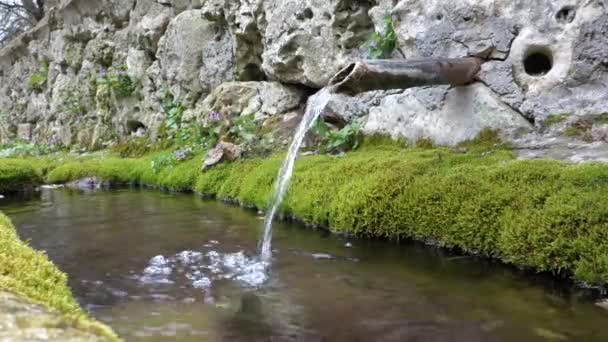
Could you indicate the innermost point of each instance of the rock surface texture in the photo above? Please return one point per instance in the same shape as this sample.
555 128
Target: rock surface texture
546 59
24 321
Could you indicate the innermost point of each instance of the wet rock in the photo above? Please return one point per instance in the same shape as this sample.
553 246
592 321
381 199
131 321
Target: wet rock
89 183
183 153
24 321
224 151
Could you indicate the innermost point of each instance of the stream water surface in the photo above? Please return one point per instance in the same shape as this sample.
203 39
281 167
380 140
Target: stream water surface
166 267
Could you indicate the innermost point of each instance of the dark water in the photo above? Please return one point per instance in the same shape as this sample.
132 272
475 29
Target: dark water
374 291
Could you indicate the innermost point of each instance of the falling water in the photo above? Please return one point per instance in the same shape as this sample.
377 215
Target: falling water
314 107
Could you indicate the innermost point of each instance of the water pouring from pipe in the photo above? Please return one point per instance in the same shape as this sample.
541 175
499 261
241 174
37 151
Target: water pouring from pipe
314 108
356 78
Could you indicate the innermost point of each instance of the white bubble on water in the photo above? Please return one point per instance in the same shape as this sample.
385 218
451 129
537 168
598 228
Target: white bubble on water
189 257
202 283
201 269
158 260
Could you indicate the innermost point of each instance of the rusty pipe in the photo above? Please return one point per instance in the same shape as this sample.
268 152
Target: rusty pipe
371 75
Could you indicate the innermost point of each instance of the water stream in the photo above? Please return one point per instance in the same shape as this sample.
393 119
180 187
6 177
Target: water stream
173 267
314 107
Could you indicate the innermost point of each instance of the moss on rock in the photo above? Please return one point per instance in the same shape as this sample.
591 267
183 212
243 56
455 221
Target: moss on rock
31 275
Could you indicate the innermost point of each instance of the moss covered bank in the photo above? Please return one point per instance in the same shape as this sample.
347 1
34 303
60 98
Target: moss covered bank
543 215
44 299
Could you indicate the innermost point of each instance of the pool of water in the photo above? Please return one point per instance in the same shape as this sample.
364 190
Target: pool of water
164 267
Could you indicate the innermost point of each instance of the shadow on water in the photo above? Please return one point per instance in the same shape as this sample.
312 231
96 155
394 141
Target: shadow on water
190 252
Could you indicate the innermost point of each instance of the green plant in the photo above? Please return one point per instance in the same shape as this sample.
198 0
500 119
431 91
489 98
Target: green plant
347 138
174 111
603 119
184 134
243 129
556 119
118 82
163 160
135 147
39 79
73 105
424 143
382 44
25 150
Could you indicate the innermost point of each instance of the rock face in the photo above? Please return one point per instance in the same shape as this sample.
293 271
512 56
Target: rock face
264 99
545 58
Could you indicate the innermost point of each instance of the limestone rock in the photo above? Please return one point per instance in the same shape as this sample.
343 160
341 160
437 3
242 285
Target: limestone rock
24 132
547 57
463 114
264 99
194 46
307 42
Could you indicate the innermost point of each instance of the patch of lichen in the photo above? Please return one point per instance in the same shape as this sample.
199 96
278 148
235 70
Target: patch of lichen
544 215
30 274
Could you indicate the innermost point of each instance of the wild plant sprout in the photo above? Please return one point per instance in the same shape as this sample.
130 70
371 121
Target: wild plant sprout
382 44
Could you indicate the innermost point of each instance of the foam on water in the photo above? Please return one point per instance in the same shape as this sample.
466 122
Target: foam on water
202 269
314 107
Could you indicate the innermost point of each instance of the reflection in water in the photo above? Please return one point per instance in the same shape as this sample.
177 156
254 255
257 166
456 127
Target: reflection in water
133 257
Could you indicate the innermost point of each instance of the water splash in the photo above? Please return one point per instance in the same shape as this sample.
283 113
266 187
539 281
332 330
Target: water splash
315 106
202 269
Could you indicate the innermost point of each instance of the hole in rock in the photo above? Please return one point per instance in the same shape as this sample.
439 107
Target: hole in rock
538 62
252 72
133 126
566 15
308 14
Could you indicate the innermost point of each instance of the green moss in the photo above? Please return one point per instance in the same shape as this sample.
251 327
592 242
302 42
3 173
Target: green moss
16 175
181 177
602 119
381 140
544 215
487 139
39 79
30 274
572 132
424 143
538 214
556 119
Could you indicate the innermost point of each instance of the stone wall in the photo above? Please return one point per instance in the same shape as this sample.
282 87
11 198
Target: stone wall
546 58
